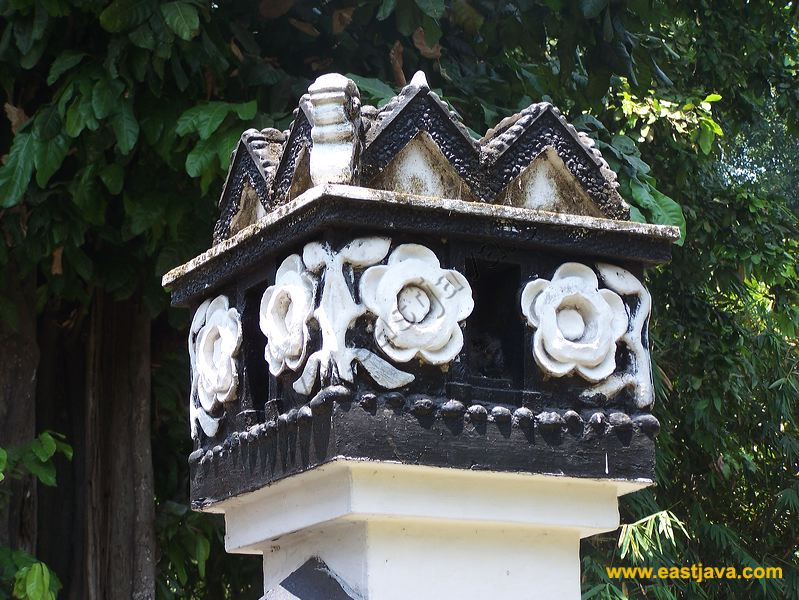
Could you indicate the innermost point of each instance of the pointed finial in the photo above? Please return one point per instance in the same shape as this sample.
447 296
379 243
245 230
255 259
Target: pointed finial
419 80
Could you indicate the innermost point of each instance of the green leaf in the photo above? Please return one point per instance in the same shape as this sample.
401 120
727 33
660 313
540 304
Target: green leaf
206 179
76 118
152 127
246 110
83 266
113 176
22 34
126 128
256 72
40 19
44 446
212 118
201 553
143 37
116 47
715 127
64 99
386 8
406 18
374 87
637 164
16 173
658 207
48 158
206 118
706 137
227 143
105 96
37 582
586 122
88 197
592 8
64 63
191 119
19 583
636 215
712 98
31 56
47 124
465 15
44 471
123 15
144 212
200 158
671 211
432 8
624 144
182 18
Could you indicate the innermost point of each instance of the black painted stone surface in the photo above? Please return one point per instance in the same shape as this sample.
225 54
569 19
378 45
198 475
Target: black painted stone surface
312 581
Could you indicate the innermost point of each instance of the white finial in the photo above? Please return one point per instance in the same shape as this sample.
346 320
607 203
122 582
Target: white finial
336 108
419 80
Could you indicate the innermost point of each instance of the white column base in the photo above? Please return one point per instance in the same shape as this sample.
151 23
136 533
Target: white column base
394 532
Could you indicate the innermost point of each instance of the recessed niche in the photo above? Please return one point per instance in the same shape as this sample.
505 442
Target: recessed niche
495 335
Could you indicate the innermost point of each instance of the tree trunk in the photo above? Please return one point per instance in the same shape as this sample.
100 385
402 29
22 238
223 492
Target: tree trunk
60 400
19 357
120 533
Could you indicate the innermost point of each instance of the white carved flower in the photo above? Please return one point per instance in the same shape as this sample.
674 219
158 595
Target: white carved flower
285 309
418 305
577 324
214 342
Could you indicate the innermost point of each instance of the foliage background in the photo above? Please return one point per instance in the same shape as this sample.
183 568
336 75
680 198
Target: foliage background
120 119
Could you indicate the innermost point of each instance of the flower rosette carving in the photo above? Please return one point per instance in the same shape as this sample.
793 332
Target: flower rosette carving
418 305
214 341
285 309
577 324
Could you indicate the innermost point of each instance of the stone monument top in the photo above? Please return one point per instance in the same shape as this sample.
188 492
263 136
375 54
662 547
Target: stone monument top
399 324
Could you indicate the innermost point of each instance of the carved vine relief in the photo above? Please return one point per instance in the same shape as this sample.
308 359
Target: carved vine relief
415 309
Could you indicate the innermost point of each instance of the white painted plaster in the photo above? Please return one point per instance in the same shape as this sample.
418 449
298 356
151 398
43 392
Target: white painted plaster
638 376
337 311
447 561
391 531
336 120
547 184
214 341
347 489
285 309
577 324
540 192
394 559
418 305
421 168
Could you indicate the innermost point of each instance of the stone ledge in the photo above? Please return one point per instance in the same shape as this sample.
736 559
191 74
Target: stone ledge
344 206
352 490
606 448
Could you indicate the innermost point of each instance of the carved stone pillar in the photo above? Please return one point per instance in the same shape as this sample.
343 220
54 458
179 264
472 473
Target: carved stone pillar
421 368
